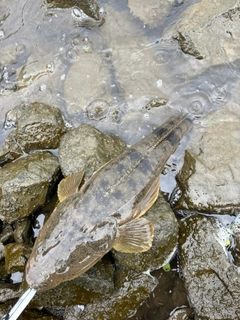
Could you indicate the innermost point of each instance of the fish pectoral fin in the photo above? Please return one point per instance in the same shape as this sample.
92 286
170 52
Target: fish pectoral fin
149 198
134 236
69 185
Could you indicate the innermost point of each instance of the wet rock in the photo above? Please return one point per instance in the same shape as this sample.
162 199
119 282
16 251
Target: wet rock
29 314
2 251
37 314
155 103
169 295
132 290
8 291
94 284
210 179
39 126
22 230
213 283
164 242
10 149
25 184
7 233
86 148
202 25
12 116
84 20
98 110
89 7
235 249
16 255
57 311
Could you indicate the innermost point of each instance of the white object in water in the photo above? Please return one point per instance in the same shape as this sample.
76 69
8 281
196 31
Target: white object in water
20 305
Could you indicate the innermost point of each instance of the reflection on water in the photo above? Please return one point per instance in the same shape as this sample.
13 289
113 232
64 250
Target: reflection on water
45 57
105 74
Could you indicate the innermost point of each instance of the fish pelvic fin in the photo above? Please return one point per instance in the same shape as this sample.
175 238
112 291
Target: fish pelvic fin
134 236
69 185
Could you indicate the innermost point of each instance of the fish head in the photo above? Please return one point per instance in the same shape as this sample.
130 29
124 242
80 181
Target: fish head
67 251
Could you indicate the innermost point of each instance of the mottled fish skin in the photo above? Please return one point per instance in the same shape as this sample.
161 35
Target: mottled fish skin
84 226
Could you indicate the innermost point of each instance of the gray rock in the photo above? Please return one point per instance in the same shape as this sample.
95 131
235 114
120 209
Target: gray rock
2 251
10 149
4 276
88 72
235 250
132 290
11 117
22 230
86 148
202 25
213 283
25 185
210 179
152 12
16 255
7 233
164 242
8 291
39 126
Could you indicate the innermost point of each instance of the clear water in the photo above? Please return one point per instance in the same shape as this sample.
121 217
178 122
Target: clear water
106 75
47 57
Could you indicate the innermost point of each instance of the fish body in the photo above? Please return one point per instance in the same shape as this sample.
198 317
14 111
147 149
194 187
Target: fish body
106 212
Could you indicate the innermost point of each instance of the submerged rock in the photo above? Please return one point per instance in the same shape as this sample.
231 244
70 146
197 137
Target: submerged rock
86 148
210 179
212 281
164 242
25 184
202 25
152 12
89 73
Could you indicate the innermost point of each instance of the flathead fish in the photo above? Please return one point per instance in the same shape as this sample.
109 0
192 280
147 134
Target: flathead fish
105 213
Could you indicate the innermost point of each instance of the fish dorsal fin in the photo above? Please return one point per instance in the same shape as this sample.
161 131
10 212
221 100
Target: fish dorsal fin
69 185
150 196
134 236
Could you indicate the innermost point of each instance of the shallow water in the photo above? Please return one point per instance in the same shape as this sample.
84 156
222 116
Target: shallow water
105 76
47 57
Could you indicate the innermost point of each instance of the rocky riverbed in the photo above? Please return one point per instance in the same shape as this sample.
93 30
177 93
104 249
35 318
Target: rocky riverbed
81 81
